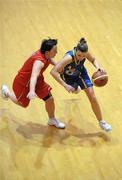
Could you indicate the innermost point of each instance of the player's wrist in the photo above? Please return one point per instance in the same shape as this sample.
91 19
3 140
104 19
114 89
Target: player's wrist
64 85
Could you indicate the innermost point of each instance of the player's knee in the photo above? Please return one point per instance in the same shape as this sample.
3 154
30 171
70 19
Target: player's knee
51 99
91 95
92 98
48 97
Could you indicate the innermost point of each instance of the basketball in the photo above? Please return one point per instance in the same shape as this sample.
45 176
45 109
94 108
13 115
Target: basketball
99 78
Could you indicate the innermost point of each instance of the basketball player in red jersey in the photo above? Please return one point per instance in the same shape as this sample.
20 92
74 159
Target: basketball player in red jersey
29 82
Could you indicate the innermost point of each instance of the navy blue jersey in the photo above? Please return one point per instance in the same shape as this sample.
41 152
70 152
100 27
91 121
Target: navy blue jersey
75 66
75 72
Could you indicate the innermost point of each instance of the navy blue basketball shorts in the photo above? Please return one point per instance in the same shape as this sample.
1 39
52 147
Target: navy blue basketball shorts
83 80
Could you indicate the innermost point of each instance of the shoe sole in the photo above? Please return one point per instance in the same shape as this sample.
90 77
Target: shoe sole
56 126
106 129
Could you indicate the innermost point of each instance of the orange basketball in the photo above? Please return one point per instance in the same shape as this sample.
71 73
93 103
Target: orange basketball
99 78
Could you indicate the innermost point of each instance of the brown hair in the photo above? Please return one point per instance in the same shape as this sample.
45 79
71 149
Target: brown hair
82 45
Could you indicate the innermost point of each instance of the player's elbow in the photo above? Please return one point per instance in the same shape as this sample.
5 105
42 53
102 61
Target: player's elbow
53 72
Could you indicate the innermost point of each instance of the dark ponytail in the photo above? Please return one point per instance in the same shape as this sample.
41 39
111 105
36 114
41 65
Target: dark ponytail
82 45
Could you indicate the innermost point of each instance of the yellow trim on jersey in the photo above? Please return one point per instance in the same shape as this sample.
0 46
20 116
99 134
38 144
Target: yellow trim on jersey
75 59
83 82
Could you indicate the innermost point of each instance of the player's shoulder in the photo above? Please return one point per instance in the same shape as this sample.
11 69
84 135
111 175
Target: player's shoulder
70 53
37 55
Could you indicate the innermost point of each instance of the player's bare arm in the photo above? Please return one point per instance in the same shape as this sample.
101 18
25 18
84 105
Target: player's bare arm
93 60
37 66
53 62
58 68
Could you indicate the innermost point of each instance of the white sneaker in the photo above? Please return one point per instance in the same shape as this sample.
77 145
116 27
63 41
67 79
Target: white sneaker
4 92
105 126
56 123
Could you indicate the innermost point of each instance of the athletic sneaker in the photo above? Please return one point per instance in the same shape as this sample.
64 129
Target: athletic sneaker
4 92
56 123
105 126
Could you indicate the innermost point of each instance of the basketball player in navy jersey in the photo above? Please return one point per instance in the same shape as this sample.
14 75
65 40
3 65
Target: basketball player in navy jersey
71 73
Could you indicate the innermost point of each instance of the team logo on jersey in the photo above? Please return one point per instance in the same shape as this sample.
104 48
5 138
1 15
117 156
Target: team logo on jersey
70 70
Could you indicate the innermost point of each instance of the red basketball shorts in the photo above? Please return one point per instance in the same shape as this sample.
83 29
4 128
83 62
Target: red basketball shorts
21 91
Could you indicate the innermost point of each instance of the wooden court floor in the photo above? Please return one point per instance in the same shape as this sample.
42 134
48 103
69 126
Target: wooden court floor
31 150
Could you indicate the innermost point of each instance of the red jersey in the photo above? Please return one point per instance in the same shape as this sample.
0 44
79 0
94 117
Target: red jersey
24 73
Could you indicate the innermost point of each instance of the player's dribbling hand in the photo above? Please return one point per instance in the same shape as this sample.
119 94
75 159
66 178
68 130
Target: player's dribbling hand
31 95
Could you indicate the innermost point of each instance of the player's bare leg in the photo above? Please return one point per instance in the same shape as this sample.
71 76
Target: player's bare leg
96 108
6 94
94 103
50 108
